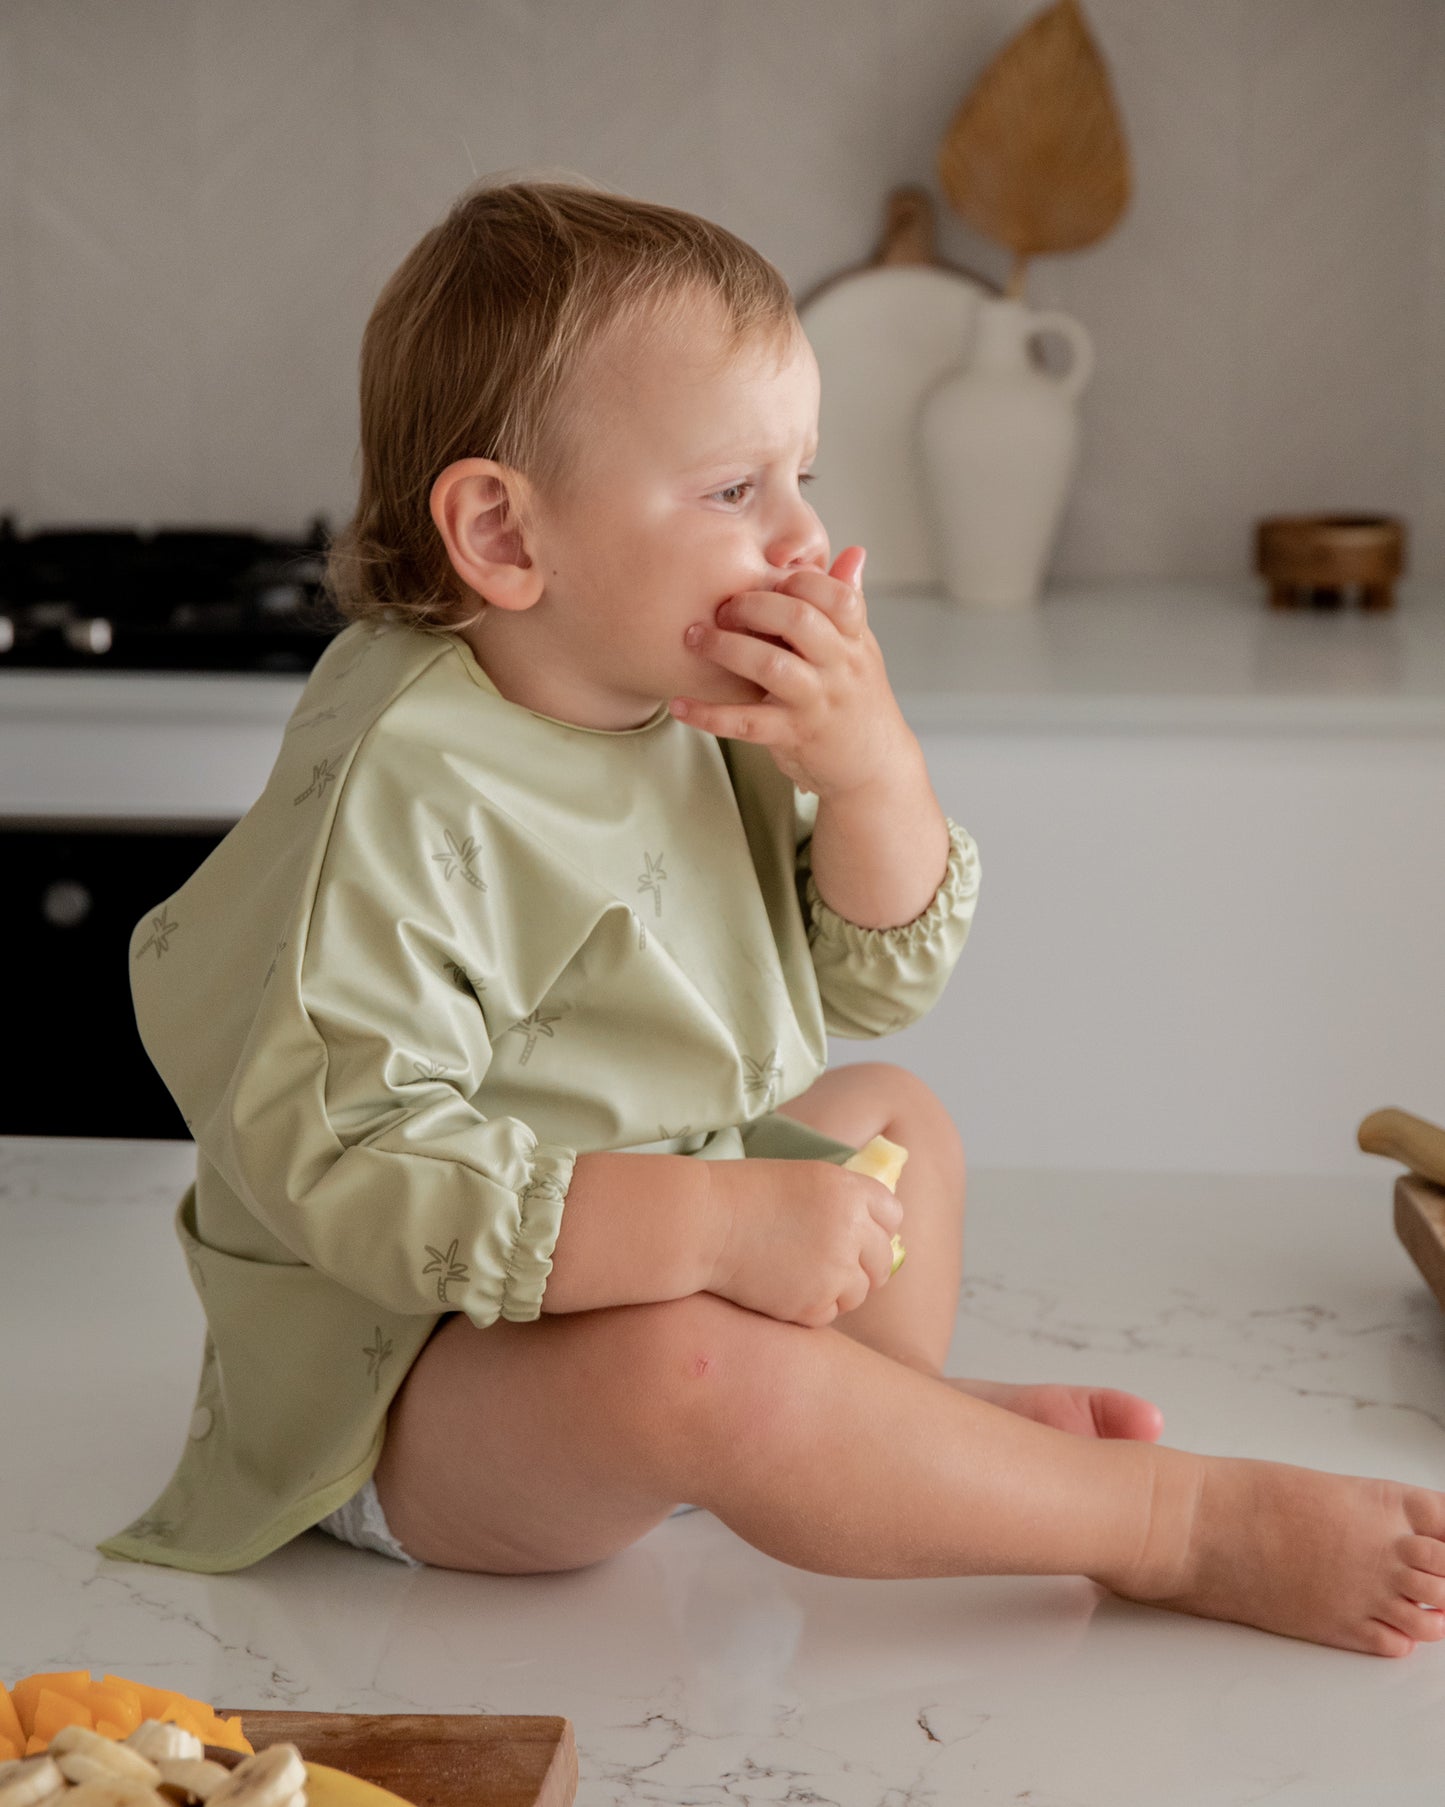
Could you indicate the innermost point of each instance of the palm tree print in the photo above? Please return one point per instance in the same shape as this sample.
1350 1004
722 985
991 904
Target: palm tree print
764 1076
152 1526
532 1026
428 1069
162 928
641 931
271 969
316 715
458 857
651 880
322 774
446 1268
376 1352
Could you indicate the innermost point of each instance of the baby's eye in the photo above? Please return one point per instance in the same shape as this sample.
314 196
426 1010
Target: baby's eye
732 488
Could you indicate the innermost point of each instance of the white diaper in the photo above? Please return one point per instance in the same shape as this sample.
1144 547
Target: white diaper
362 1522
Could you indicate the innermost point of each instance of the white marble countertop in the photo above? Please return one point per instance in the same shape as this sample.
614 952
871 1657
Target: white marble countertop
1271 1317
1166 658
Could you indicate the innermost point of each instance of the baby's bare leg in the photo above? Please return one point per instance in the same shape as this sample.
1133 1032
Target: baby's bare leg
553 1444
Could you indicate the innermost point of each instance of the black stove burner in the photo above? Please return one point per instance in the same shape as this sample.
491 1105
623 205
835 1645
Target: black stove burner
179 599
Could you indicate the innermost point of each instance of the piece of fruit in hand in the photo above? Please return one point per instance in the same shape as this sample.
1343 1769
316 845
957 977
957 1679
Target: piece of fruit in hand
882 1160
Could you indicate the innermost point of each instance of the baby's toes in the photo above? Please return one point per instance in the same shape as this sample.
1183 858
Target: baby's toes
1423 1570
1415 1621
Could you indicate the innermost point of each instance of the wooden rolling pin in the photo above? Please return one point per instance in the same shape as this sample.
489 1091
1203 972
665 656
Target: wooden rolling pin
1413 1140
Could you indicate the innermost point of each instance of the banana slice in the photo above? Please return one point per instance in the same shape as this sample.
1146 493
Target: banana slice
86 1756
82 1769
34 1780
883 1160
158 1739
267 1779
191 1778
113 1790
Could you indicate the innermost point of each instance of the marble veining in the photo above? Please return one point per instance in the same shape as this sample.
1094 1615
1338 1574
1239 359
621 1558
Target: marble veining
1268 1316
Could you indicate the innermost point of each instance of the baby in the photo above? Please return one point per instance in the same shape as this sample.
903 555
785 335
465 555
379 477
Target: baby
520 1213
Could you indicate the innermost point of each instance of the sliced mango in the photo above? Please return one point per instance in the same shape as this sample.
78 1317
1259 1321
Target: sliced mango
882 1160
26 1692
38 1706
10 1726
52 1711
111 1707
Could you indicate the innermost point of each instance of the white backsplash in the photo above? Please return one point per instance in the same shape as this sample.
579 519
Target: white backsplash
199 203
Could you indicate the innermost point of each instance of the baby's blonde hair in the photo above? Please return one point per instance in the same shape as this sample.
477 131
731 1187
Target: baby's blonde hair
471 346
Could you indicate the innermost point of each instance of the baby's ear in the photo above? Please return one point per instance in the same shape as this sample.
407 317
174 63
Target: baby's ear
477 506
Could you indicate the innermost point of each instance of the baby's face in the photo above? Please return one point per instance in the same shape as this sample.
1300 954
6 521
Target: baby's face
689 489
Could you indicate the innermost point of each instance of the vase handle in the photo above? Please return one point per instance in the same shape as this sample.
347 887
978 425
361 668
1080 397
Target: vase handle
1074 380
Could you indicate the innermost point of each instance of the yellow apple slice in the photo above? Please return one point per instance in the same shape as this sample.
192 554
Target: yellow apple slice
882 1160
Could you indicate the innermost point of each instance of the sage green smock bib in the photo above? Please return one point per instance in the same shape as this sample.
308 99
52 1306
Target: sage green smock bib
452 945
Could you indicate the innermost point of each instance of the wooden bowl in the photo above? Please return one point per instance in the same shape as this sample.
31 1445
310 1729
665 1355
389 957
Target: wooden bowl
1312 561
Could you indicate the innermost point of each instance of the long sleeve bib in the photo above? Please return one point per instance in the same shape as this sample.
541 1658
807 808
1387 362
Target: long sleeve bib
453 945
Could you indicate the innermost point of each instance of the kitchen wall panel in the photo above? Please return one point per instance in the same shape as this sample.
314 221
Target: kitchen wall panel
199 203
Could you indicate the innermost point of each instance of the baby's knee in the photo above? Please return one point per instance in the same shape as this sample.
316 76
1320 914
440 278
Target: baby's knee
707 1364
918 1112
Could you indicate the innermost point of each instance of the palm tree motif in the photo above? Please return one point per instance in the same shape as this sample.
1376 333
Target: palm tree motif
153 1526
446 1268
428 1069
651 880
322 774
162 928
532 1026
316 715
641 931
458 858
666 1135
376 1352
763 1076
271 969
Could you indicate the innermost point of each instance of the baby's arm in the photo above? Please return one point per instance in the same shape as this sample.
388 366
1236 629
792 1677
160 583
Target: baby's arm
800 1241
636 1228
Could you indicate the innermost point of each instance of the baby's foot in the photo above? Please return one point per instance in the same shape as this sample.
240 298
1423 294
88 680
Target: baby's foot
1334 1559
1086 1411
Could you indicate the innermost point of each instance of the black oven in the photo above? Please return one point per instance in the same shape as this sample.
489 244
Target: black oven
73 1062
80 599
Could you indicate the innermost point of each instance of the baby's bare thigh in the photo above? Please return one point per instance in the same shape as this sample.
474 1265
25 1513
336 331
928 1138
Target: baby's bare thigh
527 1448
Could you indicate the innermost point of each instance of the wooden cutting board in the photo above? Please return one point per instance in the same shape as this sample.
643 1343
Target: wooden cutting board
1420 1225
435 1759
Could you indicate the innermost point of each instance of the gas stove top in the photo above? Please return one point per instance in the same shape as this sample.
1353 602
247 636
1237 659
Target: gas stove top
178 599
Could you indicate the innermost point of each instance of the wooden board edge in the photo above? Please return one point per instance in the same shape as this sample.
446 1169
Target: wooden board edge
1420 1226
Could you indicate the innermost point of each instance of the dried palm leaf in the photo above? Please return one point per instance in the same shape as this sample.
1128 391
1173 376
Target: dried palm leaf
1036 158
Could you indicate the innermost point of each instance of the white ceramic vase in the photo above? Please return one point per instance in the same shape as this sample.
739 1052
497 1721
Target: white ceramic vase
999 443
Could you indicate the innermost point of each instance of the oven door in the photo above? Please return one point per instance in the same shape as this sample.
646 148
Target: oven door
72 1062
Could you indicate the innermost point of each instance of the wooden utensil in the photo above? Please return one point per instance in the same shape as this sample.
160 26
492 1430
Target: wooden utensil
435 1759
1420 1225
1035 157
1417 1142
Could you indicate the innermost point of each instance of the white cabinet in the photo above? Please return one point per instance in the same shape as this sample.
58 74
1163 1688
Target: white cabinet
1211 929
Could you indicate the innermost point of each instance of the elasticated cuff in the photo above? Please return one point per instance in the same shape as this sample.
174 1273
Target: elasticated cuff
540 1202
953 899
